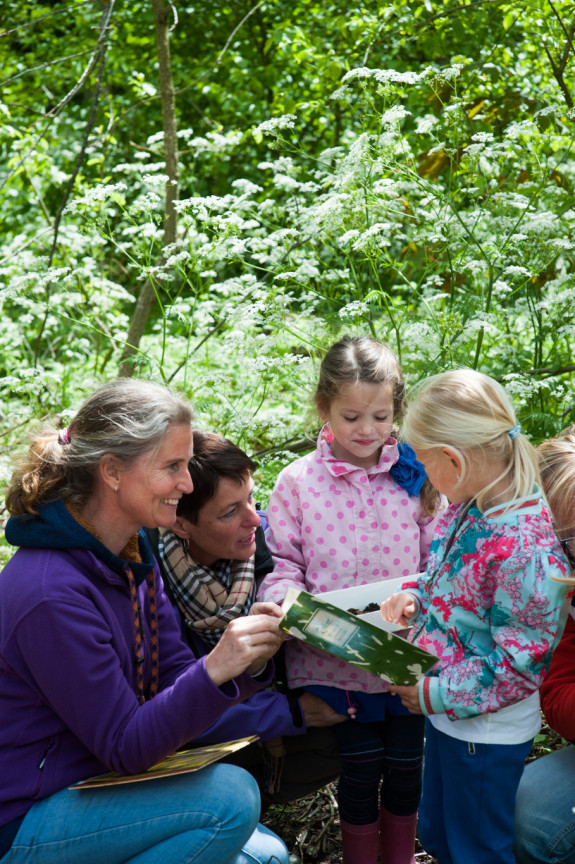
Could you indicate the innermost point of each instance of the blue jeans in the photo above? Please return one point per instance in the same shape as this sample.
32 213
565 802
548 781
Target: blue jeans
208 817
467 806
544 818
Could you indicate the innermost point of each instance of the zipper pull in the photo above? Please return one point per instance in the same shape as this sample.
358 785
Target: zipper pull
45 756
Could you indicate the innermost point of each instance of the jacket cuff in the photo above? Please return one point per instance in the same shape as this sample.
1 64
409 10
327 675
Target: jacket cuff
416 595
429 696
295 707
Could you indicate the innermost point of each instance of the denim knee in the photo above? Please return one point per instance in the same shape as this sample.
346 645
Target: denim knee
242 795
544 817
263 847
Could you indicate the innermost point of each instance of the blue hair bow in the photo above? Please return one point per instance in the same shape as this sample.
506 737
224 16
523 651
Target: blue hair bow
407 471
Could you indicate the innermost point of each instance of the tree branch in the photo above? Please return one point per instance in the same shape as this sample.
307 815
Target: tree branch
44 17
106 17
147 294
45 65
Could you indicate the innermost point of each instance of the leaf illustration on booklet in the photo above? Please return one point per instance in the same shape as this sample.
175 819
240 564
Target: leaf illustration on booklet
390 657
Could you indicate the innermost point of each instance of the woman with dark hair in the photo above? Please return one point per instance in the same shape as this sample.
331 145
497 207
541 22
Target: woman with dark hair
212 559
94 676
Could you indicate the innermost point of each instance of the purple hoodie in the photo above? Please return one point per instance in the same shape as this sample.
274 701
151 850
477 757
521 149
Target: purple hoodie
67 675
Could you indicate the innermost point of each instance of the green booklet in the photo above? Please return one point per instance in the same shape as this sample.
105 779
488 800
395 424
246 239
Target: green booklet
387 655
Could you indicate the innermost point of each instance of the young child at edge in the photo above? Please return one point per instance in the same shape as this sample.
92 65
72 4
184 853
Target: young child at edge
489 607
355 511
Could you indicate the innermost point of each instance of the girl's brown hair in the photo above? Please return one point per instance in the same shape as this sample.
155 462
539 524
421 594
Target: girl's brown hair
363 360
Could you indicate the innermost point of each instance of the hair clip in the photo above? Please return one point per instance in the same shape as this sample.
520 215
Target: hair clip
64 436
513 433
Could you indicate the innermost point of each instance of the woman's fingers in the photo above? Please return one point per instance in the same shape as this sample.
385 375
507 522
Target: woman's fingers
244 643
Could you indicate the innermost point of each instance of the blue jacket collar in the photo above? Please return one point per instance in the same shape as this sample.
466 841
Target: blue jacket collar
54 527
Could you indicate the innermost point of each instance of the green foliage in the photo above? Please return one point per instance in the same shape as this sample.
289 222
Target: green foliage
400 170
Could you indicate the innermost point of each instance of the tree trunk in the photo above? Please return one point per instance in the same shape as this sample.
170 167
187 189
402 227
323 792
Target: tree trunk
147 295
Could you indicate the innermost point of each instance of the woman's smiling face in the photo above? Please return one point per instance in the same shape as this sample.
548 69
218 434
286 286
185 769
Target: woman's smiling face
149 489
226 524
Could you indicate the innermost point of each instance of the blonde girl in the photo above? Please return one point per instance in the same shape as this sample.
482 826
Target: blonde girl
489 607
357 510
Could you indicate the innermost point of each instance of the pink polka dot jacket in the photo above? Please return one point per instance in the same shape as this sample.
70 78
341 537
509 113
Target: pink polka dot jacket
333 525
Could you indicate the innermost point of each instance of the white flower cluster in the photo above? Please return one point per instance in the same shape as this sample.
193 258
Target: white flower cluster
355 309
275 125
394 115
383 76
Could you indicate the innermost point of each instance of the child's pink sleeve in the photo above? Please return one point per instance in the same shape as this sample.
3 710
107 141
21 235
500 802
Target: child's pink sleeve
283 537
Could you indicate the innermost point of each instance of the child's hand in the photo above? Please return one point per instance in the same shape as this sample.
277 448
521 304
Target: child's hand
398 608
409 697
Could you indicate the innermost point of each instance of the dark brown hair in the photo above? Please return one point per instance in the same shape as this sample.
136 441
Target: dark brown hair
363 360
358 360
214 457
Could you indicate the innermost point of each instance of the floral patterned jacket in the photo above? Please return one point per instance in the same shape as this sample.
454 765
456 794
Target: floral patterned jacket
489 607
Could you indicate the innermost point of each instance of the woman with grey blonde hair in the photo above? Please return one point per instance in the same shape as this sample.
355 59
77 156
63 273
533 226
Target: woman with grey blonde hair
93 674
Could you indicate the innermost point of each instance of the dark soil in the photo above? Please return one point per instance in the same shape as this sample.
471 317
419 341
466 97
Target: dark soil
310 826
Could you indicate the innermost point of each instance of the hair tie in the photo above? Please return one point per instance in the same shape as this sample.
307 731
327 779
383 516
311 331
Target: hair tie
64 436
513 433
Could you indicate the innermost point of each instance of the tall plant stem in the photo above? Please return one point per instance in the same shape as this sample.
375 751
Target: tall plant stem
147 296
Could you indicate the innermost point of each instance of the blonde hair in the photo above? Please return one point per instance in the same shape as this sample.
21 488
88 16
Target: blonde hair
125 418
557 466
363 360
470 413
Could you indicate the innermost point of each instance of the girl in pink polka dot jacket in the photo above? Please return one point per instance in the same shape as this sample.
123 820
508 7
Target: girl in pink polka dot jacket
357 510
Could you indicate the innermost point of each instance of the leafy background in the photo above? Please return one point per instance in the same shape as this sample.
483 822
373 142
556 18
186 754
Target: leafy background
208 194
270 176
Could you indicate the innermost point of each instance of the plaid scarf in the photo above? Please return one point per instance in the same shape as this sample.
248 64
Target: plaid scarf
208 597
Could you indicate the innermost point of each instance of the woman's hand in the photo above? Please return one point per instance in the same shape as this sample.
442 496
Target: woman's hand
409 697
398 608
266 607
245 646
316 712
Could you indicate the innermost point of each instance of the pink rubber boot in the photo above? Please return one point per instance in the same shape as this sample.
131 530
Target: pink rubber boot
397 838
360 843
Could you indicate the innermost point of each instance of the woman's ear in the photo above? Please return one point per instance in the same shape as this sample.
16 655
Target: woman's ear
111 471
179 528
